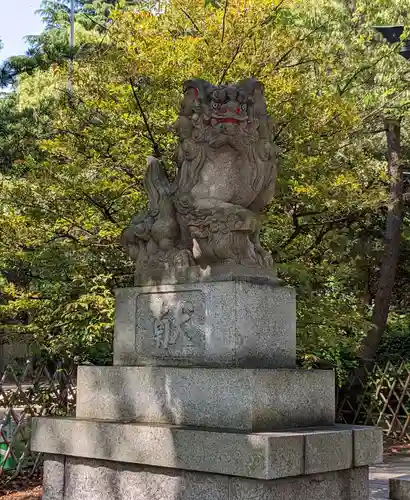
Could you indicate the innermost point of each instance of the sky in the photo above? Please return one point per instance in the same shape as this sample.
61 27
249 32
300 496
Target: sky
17 19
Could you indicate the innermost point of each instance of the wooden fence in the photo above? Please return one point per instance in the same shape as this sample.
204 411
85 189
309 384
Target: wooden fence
25 392
380 397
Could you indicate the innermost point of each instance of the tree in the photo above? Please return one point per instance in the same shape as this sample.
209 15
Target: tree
389 263
51 47
328 84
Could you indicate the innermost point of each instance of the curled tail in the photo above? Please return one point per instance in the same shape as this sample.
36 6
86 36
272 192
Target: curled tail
156 183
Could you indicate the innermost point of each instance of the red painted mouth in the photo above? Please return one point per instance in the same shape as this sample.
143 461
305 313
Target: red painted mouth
216 120
228 120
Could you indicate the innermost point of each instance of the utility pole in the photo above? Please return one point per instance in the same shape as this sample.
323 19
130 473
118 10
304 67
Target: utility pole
71 59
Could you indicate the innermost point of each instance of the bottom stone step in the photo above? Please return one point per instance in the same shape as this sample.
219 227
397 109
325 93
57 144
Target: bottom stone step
399 488
265 455
86 479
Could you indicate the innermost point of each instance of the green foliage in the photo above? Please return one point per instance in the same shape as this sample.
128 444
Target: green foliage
339 357
51 47
395 345
71 175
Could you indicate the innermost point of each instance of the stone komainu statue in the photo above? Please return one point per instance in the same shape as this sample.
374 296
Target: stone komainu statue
208 217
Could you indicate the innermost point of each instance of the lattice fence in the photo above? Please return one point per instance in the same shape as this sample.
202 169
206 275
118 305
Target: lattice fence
379 397
26 392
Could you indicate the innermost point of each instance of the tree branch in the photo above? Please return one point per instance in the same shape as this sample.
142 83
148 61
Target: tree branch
235 54
94 21
151 136
248 35
302 39
296 232
363 68
271 15
188 16
224 21
101 207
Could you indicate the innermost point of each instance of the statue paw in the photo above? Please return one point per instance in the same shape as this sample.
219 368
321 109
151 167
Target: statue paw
184 259
265 258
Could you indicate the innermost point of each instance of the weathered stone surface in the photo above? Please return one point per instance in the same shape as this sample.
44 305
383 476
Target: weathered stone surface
400 488
101 480
358 483
228 324
264 456
327 449
268 455
367 444
53 477
95 480
343 485
215 273
243 399
210 213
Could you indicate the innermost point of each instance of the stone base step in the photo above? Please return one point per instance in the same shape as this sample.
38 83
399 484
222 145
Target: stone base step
240 399
267 455
400 488
69 478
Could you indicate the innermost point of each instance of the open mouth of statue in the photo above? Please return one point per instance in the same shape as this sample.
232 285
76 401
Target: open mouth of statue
226 119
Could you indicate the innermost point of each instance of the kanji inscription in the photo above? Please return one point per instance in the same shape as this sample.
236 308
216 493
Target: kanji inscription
172 321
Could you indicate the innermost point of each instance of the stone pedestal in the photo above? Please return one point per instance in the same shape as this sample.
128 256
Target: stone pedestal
222 323
204 401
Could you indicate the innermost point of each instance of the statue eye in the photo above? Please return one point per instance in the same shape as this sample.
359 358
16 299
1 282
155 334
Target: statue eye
216 105
243 107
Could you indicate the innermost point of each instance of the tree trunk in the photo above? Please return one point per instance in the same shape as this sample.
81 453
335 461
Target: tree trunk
390 259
